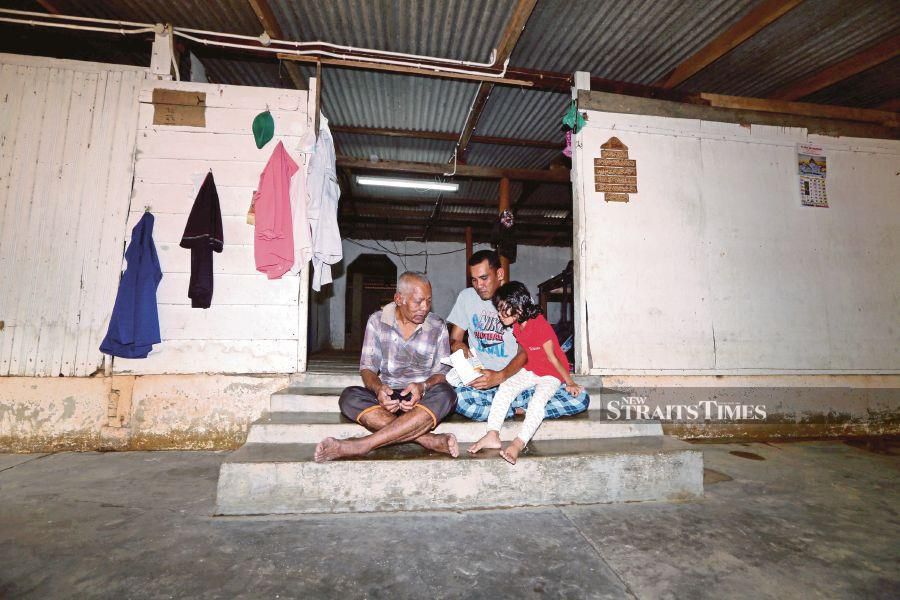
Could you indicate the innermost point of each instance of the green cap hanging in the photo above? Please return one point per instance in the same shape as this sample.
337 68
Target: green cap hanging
263 128
573 119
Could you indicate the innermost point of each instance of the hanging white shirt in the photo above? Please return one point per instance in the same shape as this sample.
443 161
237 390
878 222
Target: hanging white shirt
299 202
323 192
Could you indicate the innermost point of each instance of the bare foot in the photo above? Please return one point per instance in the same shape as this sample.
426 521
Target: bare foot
330 449
511 453
490 440
440 442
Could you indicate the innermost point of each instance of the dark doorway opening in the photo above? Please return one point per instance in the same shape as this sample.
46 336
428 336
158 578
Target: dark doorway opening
371 282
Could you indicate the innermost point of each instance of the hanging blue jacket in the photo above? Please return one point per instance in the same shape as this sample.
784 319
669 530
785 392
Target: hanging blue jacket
134 326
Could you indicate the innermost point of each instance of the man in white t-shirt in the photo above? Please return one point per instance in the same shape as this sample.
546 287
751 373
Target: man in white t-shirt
495 345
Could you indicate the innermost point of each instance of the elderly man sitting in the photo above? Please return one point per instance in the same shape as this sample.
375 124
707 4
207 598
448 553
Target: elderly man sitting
401 357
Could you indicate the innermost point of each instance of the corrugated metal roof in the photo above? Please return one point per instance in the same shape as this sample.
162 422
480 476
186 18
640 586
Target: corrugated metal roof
869 88
809 38
462 29
385 100
523 113
631 40
228 16
234 71
551 193
377 147
511 157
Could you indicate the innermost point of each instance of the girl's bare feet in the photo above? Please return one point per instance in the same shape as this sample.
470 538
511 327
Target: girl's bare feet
490 440
511 453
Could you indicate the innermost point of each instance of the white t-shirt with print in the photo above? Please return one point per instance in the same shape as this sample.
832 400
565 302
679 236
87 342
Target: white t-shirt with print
495 344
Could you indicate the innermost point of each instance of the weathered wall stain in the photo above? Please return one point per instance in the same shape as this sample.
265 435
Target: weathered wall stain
213 412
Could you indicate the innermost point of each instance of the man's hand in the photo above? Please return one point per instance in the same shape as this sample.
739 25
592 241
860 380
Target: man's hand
461 346
417 390
384 399
488 379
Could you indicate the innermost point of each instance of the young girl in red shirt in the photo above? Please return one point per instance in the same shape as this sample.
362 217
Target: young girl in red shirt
547 366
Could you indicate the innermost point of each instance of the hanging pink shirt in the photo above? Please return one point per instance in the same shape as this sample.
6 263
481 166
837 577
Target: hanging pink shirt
273 244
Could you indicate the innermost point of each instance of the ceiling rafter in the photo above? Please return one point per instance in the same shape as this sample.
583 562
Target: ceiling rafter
747 26
446 136
511 34
859 62
271 26
49 6
475 172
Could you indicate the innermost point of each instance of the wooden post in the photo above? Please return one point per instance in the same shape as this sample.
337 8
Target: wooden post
504 205
468 254
162 54
583 361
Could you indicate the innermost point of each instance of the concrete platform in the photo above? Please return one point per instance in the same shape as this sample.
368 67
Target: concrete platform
311 427
322 397
283 479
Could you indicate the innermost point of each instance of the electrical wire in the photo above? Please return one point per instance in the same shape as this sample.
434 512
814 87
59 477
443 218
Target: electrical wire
389 251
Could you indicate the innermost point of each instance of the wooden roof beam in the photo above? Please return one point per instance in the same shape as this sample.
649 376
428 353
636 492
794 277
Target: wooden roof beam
747 26
892 105
452 200
469 171
49 6
511 34
862 61
272 27
446 136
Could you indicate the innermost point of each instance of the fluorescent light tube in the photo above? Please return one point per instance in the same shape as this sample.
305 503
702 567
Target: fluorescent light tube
415 184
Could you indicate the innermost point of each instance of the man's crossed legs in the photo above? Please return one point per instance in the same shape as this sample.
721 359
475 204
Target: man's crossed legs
361 405
476 404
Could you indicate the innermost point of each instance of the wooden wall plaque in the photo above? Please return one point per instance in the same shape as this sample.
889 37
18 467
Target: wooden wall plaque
174 107
614 173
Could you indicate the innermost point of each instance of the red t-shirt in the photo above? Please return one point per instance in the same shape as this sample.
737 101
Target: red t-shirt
532 338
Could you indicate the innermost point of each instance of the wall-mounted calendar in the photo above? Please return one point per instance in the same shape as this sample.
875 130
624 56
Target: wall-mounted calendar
812 168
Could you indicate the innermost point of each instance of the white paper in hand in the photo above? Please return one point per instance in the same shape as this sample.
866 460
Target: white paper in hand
465 370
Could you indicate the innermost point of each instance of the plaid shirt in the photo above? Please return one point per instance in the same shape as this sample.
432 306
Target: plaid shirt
400 362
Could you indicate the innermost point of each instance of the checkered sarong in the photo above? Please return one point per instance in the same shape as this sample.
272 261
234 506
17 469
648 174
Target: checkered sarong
476 404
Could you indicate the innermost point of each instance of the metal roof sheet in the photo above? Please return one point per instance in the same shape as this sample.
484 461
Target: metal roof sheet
811 37
462 29
630 40
869 88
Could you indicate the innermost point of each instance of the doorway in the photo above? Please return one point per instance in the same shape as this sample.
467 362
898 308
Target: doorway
371 282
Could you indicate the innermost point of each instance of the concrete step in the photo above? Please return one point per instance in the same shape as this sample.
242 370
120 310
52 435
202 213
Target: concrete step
334 379
311 427
283 479
344 377
324 398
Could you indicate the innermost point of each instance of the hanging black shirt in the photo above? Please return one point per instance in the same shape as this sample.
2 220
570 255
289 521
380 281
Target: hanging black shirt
203 235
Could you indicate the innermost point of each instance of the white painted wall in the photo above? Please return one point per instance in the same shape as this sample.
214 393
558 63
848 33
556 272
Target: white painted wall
446 271
255 325
67 136
715 266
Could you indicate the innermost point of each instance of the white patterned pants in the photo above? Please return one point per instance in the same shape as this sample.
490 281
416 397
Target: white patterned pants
544 388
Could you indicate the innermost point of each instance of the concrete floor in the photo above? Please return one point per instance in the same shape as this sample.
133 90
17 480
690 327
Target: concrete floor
810 520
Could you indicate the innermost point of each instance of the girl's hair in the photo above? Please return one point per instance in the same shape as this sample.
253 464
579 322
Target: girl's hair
513 298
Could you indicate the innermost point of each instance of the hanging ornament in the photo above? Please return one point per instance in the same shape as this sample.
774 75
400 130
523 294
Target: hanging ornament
573 119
